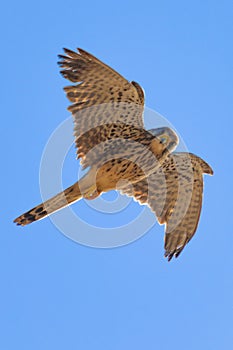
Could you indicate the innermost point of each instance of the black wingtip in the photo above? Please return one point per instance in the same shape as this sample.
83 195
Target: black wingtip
168 255
67 51
81 50
176 254
61 59
70 53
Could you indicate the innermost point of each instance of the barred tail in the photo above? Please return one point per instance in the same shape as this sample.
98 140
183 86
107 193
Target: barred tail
61 200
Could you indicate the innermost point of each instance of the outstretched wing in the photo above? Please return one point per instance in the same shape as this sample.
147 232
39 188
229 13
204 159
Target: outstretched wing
174 193
100 98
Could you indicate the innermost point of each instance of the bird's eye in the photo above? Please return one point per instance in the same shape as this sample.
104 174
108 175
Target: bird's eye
163 139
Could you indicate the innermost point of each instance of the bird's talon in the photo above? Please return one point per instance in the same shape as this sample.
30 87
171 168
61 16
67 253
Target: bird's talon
92 195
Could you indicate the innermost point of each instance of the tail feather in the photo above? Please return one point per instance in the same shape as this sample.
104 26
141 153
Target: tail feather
61 200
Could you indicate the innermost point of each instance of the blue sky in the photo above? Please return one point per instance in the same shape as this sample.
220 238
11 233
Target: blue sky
57 294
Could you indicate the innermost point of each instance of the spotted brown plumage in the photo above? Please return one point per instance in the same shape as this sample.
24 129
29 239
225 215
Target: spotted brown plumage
174 193
99 97
111 140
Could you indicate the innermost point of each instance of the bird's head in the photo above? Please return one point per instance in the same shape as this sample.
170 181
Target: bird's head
166 138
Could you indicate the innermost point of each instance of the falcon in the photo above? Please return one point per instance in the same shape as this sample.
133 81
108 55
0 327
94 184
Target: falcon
121 155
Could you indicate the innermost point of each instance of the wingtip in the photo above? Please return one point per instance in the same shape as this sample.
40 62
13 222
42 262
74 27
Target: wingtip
175 253
81 51
168 256
66 50
70 53
207 169
211 171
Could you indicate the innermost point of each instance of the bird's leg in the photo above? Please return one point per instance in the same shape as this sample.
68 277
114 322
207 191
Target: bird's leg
88 185
92 193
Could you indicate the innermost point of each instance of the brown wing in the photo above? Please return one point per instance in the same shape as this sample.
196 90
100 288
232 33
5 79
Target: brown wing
100 96
174 193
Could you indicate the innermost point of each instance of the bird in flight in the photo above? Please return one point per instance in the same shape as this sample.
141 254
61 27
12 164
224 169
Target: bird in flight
111 140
